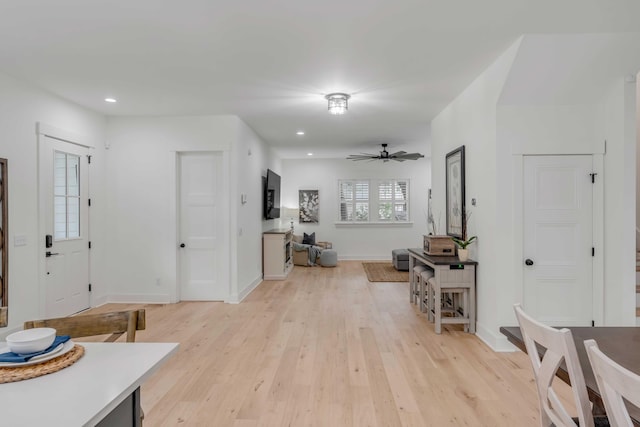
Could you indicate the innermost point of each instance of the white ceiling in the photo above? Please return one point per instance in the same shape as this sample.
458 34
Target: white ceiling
271 61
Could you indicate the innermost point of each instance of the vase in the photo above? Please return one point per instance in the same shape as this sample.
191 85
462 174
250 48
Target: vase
463 254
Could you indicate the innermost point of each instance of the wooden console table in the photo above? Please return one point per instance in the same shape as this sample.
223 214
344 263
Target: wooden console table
449 272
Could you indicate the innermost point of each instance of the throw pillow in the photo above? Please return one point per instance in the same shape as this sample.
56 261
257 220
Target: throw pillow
309 239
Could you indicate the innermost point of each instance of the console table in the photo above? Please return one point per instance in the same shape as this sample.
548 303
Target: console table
449 272
277 261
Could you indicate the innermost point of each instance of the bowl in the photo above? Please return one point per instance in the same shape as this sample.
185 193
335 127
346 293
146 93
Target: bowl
31 340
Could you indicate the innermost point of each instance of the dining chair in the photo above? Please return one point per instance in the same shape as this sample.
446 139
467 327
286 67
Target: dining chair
615 384
559 347
115 323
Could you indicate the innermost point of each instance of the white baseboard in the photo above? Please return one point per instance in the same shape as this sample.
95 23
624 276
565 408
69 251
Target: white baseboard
139 299
237 298
496 341
98 301
363 258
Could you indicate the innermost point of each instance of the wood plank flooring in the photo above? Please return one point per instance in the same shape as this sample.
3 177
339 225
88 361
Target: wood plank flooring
327 348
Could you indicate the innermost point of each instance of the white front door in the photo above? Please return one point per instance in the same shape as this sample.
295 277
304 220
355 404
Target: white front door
64 192
558 276
201 255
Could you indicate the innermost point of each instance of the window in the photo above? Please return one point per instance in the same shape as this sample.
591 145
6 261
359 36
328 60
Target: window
392 200
66 196
354 200
374 200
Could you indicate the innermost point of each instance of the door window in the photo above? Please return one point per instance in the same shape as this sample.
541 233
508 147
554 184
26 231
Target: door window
66 196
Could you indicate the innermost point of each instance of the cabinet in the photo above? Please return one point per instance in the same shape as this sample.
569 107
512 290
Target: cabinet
276 254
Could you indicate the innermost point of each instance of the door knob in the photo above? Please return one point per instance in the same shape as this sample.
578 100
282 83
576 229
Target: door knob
528 261
182 245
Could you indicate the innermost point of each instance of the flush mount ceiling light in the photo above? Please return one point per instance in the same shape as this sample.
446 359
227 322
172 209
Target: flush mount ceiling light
338 102
111 100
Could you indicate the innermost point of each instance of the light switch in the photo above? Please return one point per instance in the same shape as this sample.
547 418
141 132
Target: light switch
19 240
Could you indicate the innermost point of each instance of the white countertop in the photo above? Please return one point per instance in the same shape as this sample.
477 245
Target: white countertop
85 392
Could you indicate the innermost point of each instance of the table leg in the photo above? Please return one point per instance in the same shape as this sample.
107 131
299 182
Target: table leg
437 303
472 308
412 291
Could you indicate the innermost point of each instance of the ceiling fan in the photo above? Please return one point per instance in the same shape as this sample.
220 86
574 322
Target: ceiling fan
385 156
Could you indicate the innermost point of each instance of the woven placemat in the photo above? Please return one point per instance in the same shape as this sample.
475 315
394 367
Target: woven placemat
19 373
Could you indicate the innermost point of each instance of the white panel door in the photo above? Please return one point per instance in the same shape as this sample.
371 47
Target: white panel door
64 192
201 255
558 276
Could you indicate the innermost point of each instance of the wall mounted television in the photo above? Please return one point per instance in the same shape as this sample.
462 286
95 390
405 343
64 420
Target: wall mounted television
272 195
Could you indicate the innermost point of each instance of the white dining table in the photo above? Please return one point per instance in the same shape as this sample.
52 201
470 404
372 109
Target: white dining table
88 392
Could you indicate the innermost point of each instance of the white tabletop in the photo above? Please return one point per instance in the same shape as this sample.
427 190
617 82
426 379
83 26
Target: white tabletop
85 392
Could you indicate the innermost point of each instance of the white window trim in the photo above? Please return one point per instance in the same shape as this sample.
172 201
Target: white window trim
394 224
374 203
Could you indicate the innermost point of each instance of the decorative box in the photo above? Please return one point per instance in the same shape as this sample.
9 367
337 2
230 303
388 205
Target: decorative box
439 246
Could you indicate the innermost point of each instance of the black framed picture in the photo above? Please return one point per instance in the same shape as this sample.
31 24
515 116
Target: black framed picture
309 204
455 193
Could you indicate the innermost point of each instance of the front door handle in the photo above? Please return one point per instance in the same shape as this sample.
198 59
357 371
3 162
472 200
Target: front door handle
48 254
182 245
529 262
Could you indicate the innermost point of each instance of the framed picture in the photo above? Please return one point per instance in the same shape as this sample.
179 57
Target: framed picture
309 206
455 193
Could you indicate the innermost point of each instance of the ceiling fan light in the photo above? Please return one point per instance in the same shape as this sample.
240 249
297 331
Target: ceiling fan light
338 103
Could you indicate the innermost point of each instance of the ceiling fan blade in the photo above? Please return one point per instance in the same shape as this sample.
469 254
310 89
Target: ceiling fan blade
358 157
399 153
411 156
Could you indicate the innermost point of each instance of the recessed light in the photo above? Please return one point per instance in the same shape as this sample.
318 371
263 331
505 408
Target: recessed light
309 154
112 100
300 132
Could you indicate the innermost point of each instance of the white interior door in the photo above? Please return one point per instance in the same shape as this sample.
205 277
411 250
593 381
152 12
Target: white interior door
558 275
64 192
201 255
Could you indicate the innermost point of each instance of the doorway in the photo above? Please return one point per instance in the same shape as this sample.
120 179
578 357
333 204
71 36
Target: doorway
202 257
558 239
64 218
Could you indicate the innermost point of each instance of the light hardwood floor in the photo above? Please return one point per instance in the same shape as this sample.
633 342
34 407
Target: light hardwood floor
327 348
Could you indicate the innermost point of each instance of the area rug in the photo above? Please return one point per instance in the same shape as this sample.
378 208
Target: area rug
384 272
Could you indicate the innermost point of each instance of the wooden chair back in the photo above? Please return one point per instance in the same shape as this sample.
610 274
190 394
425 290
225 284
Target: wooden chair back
614 383
559 347
115 323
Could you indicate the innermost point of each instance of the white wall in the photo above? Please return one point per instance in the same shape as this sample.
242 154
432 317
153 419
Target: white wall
253 158
470 120
637 162
357 241
498 131
21 106
141 203
619 204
